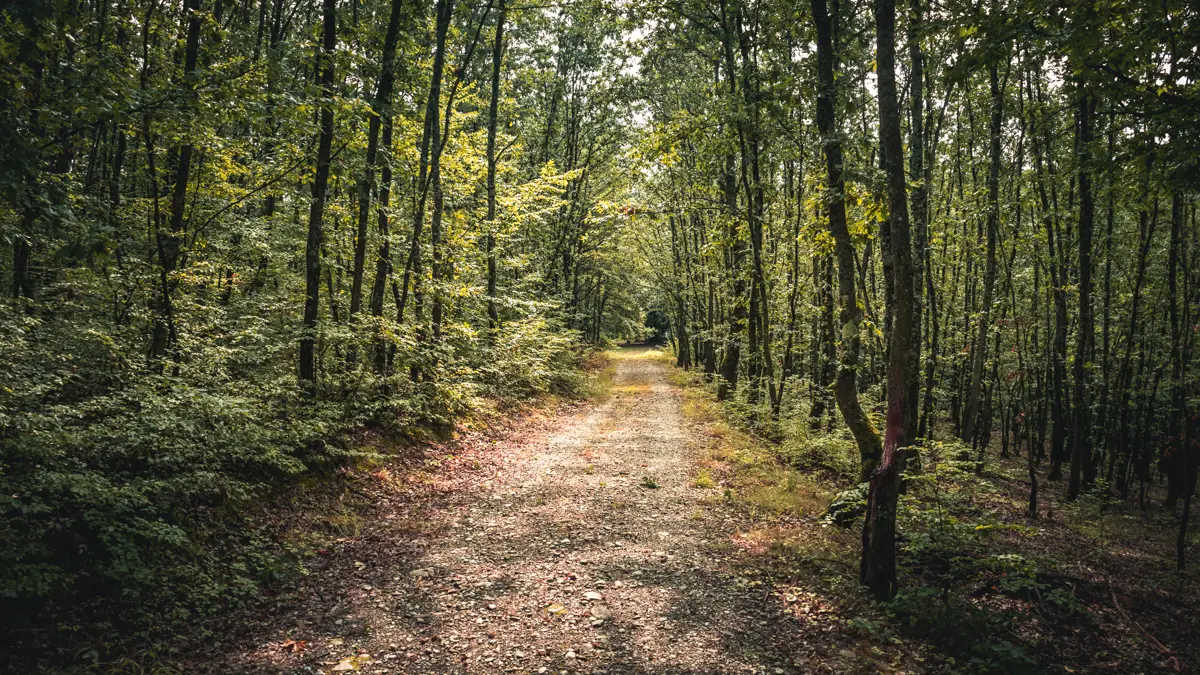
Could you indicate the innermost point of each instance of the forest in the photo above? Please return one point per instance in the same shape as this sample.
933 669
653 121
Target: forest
941 260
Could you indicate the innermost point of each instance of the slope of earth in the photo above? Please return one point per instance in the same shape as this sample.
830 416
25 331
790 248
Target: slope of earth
578 545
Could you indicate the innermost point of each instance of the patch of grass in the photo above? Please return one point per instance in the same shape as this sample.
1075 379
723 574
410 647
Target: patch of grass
345 524
834 456
600 370
758 476
649 483
778 500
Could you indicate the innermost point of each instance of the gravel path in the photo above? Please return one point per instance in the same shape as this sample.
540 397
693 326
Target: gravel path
579 546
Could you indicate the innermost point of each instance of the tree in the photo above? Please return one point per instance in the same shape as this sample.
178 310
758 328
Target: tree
845 386
316 213
878 569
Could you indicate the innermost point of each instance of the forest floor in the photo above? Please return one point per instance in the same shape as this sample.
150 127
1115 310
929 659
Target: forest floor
634 533
575 542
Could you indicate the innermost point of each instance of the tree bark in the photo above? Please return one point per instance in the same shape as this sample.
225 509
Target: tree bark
414 267
729 189
383 101
845 386
878 566
971 416
366 181
1178 442
170 243
316 235
918 175
493 114
1081 446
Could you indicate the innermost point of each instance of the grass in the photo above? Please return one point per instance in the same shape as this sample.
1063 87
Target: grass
781 505
751 468
600 370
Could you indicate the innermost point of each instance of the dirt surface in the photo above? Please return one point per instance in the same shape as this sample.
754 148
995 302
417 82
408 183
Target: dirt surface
578 544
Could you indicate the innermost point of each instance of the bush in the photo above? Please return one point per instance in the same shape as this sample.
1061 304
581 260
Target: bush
848 507
531 356
126 492
970 634
828 454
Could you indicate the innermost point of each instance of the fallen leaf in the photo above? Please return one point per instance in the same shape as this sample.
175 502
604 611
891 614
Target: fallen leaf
556 608
294 646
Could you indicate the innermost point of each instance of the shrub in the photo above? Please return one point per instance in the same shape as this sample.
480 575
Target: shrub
126 492
828 454
847 507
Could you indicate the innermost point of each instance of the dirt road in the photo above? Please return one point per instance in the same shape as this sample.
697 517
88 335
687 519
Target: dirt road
585 547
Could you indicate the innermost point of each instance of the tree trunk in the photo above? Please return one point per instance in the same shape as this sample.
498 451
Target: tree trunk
383 119
729 189
971 415
878 567
316 235
1047 195
825 347
366 181
919 177
845 387
1081 446
1177 436
414 266
170 243
493 111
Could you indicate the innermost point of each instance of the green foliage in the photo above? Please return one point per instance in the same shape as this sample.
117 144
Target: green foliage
532 356
829 454
974 637
847 507
150 398
866 627
955 555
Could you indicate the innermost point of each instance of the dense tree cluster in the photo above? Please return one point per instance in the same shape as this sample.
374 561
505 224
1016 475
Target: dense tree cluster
235 230
953 221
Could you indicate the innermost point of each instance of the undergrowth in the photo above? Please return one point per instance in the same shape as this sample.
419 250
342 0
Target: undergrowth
969 592
133 507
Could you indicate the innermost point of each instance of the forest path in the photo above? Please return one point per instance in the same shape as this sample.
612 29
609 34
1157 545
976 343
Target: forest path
588 552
